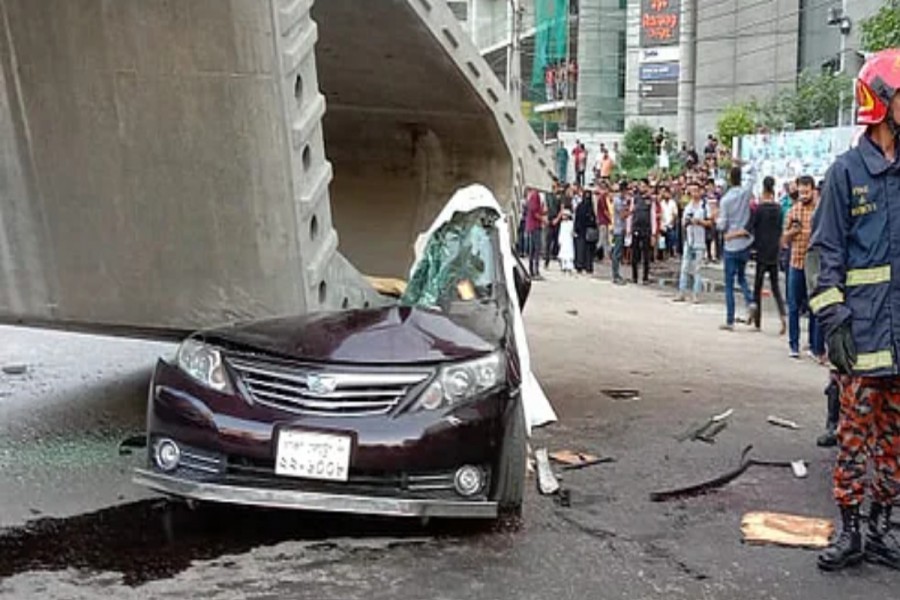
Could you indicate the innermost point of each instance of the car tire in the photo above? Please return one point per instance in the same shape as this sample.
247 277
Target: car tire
509 489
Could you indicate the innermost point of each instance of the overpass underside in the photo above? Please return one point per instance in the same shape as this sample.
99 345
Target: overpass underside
184 163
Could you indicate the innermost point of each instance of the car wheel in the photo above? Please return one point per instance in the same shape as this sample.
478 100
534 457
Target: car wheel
510 474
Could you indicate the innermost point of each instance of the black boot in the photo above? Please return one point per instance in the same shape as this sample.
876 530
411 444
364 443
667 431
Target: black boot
882 546
846 550
829 438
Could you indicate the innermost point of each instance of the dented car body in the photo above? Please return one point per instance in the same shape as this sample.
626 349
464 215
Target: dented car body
409 409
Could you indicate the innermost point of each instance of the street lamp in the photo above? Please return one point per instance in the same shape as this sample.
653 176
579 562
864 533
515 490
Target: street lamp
837 17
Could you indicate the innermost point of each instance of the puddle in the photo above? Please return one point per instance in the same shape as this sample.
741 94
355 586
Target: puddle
156 539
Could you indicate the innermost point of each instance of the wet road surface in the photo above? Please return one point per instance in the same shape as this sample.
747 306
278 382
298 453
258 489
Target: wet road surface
74 527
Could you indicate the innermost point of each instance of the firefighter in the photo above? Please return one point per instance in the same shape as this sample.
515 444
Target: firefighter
856 240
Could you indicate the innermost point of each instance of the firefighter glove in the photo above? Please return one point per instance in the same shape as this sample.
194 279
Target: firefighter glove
842 349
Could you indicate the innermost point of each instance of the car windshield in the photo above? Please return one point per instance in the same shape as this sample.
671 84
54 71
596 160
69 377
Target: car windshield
459 263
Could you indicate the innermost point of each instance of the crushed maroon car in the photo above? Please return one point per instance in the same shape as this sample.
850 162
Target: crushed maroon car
412 409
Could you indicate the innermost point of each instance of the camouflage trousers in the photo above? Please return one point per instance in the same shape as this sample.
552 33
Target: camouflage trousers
869 427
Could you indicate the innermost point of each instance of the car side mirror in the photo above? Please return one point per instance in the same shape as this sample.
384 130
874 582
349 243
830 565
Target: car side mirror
522 281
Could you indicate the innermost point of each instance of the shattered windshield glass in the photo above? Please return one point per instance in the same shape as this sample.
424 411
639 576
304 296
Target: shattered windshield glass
459 263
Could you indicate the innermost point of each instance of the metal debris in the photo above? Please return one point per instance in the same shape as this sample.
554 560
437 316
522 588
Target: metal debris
707 431
779 422
547 483
622 394
15 369
746 463
709 435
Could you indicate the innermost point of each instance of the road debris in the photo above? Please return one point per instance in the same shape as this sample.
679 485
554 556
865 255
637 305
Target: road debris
799 469
709 436
708 430
797 466
622 394
786 530
578 460
780 422
572 312
547 483
15 369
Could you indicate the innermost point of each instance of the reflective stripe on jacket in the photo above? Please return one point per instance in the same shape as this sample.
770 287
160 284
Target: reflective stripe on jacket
856 237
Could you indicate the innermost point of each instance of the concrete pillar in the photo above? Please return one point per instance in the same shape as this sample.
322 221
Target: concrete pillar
687 78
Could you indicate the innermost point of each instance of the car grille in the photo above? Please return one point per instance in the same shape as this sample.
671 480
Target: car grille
308 390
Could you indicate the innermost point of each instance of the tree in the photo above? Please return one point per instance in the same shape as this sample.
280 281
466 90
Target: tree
882 30
815 102
638 149
737 120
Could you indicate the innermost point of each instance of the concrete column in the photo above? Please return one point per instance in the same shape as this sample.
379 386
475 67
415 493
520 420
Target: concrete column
687 78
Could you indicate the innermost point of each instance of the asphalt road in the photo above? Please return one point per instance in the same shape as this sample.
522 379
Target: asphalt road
72 525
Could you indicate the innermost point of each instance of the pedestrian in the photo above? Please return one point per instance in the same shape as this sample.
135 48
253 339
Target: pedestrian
734 218
766 227
662 150
562 163
621 211
579 159
554 208
856 241
642 233
535 215
550 82
566 240
604 219
586 235
797 232
696 219
712 202
669 222
606 166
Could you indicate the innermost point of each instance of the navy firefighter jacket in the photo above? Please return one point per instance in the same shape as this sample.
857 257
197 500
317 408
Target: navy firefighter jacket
856 235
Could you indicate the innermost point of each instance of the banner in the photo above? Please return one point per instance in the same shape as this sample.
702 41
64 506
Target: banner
660 23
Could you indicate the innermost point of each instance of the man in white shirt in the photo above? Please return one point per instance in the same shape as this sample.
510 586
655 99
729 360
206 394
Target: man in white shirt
670 221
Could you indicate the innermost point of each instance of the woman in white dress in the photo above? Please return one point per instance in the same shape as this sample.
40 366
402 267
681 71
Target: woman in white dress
567 242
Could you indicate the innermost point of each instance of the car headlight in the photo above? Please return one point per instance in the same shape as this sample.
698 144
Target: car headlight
461 382
203 363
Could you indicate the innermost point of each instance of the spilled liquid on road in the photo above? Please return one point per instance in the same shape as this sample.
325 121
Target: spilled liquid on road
156 539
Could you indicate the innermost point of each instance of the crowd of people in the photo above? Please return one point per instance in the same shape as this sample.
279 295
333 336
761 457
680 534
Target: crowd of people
561 80
695 218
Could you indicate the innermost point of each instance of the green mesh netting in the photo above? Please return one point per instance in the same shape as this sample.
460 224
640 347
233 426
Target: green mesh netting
550 38
460 250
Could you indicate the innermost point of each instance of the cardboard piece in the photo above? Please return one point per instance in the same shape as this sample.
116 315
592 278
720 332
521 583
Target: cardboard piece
786 530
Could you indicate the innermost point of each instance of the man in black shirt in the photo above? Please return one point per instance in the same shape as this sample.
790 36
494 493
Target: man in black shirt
766 228
554 217
641 231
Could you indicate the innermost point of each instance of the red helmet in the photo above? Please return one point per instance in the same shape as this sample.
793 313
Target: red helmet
876 85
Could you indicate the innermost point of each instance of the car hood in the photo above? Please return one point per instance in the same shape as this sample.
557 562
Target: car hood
397 335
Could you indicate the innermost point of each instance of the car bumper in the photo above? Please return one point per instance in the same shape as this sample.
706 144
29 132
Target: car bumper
314 501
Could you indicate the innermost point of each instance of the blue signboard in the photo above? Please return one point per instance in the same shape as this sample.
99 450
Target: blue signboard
660 71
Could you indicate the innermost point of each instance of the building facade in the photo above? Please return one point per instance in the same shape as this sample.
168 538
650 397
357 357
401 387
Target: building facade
674 64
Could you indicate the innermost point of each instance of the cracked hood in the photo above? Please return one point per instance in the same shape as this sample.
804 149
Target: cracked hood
395 335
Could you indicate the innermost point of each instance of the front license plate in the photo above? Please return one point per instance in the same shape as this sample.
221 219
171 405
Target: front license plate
313 455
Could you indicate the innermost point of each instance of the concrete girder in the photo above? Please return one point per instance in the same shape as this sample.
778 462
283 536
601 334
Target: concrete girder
164 164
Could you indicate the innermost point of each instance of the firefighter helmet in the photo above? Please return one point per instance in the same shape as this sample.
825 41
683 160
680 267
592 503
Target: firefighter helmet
876 85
